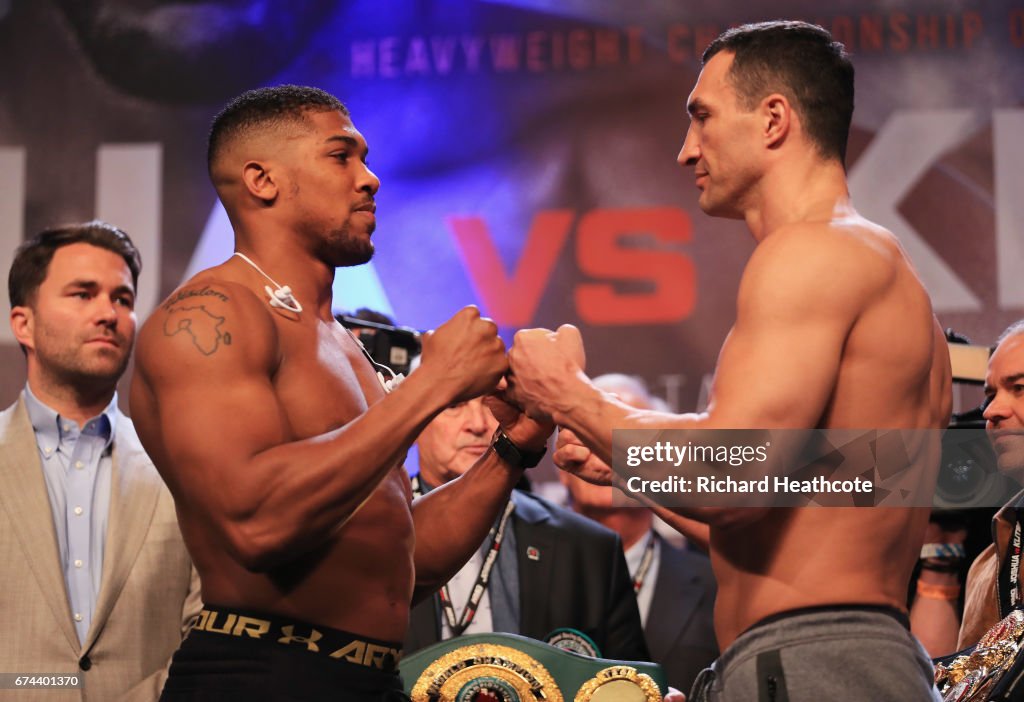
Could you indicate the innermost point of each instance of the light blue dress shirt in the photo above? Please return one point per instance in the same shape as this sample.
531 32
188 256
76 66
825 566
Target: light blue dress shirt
77 467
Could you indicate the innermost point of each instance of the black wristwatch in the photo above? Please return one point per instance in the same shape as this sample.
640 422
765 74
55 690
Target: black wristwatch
512 454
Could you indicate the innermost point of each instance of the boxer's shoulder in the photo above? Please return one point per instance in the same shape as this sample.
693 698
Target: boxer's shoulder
206 320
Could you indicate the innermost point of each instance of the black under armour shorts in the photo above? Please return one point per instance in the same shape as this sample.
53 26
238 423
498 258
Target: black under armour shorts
232 654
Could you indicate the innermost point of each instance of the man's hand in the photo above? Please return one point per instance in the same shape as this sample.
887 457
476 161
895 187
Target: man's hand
541 363
526 433
465 355
572 456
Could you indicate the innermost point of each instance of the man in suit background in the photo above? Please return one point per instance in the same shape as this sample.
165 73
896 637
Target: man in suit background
96 580
675 587
554 569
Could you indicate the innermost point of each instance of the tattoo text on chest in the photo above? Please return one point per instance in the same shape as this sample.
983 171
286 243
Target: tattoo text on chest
202 326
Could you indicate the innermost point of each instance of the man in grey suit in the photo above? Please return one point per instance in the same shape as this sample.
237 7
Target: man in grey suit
97 585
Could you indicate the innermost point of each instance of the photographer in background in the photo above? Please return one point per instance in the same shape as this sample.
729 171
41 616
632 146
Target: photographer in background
992 588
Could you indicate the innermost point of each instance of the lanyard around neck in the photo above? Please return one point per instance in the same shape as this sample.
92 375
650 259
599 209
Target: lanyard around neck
645 563
1009 572
496 536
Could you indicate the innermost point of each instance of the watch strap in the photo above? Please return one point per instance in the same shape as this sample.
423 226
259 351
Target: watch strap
514 455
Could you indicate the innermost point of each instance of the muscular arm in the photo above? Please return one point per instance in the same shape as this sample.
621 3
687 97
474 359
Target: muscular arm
574 457
211 419
453 520
798 299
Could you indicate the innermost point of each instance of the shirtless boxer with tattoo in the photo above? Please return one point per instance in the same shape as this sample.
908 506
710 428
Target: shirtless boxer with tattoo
279 443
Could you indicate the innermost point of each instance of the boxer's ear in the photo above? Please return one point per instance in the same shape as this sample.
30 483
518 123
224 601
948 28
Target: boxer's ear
260 182
778 119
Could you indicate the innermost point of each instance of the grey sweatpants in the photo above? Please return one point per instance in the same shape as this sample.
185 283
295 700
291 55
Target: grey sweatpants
835 656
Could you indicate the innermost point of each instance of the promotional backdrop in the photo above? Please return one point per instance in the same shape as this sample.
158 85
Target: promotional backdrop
526 151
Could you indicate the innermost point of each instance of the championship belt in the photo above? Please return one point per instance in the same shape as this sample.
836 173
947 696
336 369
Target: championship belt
513 668
980 673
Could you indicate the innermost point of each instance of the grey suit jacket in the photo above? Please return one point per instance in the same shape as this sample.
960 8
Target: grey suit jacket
148 589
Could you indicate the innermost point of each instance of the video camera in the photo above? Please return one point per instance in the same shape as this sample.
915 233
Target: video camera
968 475
391 346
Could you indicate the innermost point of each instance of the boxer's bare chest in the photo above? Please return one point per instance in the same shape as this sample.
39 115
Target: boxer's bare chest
324 379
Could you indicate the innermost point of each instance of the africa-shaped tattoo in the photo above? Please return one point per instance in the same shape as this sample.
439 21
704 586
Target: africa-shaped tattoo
203 326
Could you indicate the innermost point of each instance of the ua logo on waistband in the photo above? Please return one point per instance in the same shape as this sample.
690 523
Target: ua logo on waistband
310 641
337 645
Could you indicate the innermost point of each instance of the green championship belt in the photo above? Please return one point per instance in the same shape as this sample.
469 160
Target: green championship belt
513 668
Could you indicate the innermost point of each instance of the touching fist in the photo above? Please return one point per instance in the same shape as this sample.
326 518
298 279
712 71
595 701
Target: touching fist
525 432
543 364
465 355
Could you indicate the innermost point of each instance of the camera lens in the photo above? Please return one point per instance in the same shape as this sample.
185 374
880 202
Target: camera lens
960 479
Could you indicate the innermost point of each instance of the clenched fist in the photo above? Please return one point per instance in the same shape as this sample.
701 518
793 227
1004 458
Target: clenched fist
574 457
465 355
542 363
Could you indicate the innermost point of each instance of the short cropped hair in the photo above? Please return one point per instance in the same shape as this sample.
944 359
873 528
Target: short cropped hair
266 107
32 258
802 62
